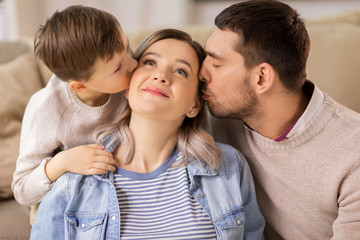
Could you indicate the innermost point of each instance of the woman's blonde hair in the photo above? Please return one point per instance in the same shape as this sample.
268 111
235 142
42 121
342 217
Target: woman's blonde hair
191 143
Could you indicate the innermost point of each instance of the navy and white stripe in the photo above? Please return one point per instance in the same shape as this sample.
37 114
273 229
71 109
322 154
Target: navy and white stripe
158 205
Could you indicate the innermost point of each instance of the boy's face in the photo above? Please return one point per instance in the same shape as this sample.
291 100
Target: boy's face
114 75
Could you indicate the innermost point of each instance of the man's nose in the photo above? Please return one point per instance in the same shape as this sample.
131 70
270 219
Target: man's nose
203 74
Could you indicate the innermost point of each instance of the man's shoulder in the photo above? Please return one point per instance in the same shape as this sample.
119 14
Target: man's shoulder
344 115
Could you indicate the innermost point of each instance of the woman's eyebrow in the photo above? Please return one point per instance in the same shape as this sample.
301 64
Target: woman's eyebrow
185 62
152 53
178 60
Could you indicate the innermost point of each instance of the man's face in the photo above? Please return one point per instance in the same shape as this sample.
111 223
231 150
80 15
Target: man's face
228 89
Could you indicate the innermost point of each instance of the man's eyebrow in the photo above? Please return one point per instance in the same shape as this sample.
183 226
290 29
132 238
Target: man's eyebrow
213 55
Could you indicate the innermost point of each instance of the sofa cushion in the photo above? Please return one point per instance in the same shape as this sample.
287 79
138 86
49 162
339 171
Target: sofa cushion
19 79
11 50
334 60
14 220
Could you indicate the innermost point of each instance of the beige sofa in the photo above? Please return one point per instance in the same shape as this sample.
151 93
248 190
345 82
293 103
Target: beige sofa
334 65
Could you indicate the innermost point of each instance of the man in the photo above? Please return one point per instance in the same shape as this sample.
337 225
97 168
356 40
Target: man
302 146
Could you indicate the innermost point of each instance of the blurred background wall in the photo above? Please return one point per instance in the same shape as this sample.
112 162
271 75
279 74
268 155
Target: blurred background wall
21 18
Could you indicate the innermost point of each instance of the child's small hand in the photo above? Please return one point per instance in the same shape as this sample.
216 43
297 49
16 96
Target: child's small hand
207 136
85 159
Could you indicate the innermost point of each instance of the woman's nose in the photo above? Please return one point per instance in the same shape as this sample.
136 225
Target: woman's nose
161 77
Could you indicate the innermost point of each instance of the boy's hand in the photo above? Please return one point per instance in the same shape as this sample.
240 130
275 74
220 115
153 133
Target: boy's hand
85 159
207 136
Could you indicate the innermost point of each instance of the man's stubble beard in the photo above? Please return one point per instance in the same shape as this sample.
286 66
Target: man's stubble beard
243 106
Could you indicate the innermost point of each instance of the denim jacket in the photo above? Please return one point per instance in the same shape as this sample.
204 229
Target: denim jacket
86 207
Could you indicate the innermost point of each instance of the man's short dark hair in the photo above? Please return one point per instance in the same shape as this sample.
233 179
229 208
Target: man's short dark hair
269 31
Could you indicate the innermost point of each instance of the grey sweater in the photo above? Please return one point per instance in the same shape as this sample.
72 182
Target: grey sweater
308 186
55 118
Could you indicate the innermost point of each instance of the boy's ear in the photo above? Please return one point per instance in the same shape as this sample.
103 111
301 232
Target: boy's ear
78 86
195 109
265 78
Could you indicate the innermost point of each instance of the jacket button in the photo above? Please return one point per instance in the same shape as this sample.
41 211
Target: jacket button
201 195
238 222
114 218
83 225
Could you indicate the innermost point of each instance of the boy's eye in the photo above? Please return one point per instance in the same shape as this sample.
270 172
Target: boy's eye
118 68
181 72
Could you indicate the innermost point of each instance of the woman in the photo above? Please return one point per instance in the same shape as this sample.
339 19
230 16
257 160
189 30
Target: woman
171 182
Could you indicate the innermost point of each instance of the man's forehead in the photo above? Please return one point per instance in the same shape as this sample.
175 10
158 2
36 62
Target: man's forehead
220 43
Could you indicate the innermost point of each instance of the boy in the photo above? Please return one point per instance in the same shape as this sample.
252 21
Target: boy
91 60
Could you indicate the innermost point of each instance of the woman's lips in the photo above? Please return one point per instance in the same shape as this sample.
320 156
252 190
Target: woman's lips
156 91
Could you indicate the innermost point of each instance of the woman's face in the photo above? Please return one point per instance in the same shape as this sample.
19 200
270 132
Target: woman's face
165 84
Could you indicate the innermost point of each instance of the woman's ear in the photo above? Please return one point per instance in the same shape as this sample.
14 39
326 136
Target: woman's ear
78 86
265 78
195 109
127 94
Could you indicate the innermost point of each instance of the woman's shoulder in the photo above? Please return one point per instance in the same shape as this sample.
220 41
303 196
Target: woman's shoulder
72 179
232 158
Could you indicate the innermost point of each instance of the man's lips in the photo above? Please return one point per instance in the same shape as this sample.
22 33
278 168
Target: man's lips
155 91
205 95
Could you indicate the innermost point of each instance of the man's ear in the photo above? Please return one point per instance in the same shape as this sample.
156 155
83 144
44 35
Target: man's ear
78 86
265 78
195 109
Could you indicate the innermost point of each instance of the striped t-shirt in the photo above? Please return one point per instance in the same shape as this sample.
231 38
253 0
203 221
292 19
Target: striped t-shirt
158 205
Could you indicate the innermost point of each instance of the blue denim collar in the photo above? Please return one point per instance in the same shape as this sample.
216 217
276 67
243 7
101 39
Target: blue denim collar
195 168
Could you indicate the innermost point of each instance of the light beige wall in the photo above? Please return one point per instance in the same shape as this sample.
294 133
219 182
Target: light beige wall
135 15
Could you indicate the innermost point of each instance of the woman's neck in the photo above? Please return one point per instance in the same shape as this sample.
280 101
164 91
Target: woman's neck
154 141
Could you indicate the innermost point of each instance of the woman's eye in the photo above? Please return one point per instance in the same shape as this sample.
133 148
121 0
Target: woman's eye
182 72
149 62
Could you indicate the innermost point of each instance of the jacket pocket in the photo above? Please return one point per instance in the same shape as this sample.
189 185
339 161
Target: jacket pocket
231 224
82 225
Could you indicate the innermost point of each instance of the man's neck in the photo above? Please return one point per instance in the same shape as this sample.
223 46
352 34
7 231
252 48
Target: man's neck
280 112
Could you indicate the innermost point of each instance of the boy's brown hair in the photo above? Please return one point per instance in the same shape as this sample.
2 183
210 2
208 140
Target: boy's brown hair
72 40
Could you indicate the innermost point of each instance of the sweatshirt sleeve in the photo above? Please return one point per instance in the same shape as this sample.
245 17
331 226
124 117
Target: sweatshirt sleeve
37 145
347 223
